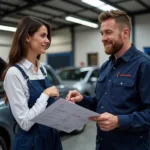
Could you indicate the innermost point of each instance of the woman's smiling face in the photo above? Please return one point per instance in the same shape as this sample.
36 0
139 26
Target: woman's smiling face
39 42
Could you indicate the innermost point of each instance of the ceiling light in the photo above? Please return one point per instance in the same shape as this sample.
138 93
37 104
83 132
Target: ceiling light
80 21
6 28
100 5
95 3
107 7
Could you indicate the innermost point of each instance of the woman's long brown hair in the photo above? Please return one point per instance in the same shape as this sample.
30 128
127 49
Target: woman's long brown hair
27 26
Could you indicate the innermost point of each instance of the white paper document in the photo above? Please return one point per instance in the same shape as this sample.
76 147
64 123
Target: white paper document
64 116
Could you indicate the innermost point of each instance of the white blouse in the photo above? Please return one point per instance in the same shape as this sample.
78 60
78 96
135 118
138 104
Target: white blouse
18 94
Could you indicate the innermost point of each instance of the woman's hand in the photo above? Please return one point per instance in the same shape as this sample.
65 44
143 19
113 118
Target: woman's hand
52 91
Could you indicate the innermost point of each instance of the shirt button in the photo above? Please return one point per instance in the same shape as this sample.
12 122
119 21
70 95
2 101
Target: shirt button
101 139
109 81
114 68
141 137
121 83
105 93
102 106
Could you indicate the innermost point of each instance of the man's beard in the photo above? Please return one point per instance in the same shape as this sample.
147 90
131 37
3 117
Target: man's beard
114 47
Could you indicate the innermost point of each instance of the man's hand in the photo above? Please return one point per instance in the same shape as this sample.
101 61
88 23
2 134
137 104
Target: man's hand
74 96
106 121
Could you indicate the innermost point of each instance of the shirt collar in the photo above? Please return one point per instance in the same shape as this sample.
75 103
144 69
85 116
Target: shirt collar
127 55
27 64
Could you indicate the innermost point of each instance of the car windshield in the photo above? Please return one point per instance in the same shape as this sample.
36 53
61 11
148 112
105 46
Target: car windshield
1 89
73 74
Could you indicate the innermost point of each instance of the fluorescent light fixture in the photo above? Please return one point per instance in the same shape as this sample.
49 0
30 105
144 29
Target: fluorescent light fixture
95 3
6 28
100 5
107 7
80 21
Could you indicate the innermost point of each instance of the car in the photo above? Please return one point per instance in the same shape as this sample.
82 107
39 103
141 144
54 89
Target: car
6 119
81 78
6 123
55 80
63 89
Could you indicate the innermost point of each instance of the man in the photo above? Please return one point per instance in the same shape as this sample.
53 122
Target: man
122 92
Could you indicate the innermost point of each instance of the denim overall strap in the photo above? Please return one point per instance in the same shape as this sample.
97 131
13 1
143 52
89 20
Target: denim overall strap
43 72
25 75
22 71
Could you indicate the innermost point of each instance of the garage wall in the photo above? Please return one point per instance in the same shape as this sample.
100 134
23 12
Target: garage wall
90 41
61 42
86 41
142 35
5 42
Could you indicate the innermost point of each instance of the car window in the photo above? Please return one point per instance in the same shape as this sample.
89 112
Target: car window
95 73
53 80
1 90
73 74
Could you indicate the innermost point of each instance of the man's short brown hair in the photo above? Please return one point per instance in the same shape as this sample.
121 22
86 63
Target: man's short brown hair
119 16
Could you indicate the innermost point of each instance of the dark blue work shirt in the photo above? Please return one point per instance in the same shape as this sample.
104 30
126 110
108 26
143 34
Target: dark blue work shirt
123 89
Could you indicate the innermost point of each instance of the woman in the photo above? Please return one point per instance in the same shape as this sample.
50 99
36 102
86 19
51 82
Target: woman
27 88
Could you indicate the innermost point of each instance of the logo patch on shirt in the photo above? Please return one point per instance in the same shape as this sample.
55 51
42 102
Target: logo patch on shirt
123 75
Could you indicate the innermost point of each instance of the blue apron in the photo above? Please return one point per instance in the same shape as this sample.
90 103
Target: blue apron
39 137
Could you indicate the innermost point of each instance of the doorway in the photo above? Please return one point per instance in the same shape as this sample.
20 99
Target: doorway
92 59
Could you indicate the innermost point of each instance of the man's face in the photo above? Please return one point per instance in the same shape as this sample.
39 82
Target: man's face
111 36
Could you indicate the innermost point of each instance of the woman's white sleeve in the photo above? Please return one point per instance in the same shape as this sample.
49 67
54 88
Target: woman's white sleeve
19 102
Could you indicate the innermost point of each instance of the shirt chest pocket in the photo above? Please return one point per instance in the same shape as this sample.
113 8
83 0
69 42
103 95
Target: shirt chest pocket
122 90
100 86
123 82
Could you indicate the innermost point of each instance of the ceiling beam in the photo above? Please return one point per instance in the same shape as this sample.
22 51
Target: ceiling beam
52 17
140 12
7 23
143 4
45 13
18 9
48 20
66 12
8 4
83 7
121 1
114 4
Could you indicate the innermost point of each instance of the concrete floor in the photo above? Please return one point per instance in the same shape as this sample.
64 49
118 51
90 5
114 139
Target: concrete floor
81 141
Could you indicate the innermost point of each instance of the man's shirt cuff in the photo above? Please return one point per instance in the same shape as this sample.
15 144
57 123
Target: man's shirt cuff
124 121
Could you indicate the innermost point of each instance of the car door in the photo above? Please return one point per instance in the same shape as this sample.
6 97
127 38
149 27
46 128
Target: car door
93 79
6 123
